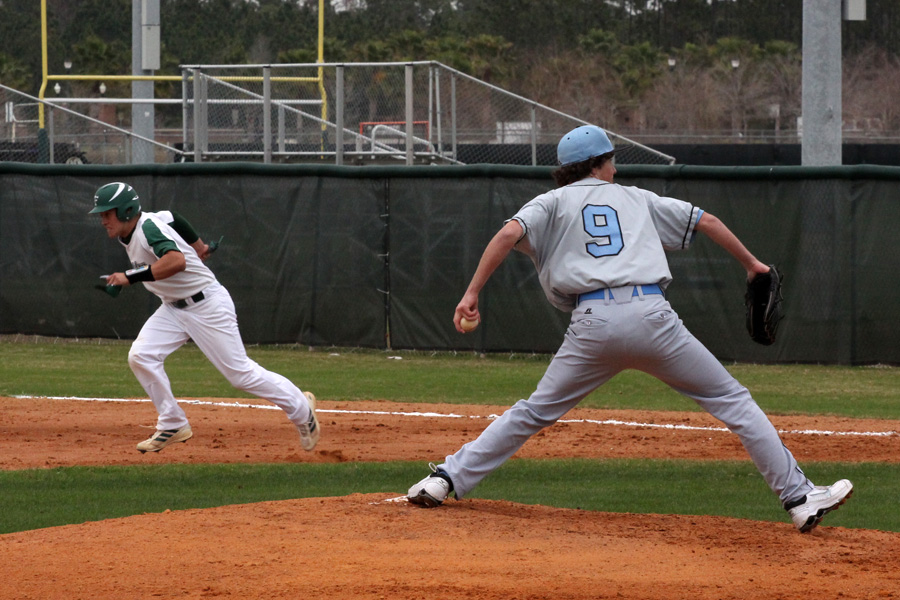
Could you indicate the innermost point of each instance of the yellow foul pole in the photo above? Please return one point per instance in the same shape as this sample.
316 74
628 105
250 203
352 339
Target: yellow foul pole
44 71
321 53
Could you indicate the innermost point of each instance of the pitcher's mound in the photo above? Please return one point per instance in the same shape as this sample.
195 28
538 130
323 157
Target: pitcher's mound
377 546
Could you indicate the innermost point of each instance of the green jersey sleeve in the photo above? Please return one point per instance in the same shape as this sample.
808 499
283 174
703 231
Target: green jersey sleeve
183 228
160 242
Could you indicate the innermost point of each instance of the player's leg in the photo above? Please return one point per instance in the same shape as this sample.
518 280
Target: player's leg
160 336
672 354
212 324
574 372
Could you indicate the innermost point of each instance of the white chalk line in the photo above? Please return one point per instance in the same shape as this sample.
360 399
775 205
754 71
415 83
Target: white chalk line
436 415
397 499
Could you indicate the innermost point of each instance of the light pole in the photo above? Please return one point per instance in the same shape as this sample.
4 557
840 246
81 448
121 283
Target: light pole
67 65
736 118
775 112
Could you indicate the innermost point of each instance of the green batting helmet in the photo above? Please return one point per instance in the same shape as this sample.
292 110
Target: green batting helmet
120 197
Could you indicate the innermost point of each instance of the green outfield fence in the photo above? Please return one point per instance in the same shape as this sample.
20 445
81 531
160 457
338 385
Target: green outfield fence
379 256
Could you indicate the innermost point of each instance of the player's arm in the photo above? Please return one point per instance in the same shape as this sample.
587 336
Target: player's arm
187 232
716 230
169 264
170 259
201 248
494 254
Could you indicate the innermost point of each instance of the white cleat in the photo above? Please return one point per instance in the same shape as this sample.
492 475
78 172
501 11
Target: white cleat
309 431
164 437
818 503
431 491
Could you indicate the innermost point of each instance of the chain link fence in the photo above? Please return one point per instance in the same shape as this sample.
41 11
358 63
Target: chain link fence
363 113
353 113
44 131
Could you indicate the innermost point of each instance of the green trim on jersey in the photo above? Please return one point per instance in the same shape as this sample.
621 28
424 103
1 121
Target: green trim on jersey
183 228
157 240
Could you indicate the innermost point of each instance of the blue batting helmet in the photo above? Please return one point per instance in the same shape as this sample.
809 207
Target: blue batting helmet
583 143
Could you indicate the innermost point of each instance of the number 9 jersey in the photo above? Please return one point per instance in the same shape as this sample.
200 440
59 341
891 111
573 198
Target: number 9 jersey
591 234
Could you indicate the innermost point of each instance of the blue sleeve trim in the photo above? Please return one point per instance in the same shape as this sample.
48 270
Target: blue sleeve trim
694 229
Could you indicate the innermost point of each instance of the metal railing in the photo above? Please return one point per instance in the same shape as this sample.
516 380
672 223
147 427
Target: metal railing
68 136
437 115
349 113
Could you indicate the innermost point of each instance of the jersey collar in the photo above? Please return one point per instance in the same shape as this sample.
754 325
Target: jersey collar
588 181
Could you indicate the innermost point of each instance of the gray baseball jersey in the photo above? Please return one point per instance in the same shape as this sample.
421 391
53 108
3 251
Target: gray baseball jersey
592 234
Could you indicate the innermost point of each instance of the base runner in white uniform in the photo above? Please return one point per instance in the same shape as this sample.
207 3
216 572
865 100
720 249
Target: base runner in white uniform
599 250
167 257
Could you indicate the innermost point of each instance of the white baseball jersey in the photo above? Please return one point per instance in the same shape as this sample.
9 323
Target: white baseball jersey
592 234
210 322
152 238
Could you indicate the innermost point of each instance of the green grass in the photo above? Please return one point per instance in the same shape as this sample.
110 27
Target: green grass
725 488
869 391
40 498
36 498
99 369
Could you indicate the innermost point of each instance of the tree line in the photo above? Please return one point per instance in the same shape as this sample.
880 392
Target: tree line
631 64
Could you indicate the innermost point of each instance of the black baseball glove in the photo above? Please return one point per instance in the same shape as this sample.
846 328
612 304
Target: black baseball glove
764 306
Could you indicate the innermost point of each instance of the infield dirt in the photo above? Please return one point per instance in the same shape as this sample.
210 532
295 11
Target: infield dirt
377 546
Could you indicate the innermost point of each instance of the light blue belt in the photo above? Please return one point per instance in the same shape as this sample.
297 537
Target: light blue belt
603 293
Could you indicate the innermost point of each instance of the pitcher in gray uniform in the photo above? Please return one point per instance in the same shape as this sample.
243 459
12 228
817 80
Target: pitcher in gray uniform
599 250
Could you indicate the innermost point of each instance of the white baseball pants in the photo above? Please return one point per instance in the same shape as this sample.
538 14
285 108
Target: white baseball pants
604 338
212 325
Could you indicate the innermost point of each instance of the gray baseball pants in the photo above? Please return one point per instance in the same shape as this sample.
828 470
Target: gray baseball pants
604 338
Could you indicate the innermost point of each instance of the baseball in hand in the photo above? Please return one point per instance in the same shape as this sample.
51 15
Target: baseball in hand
467 325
